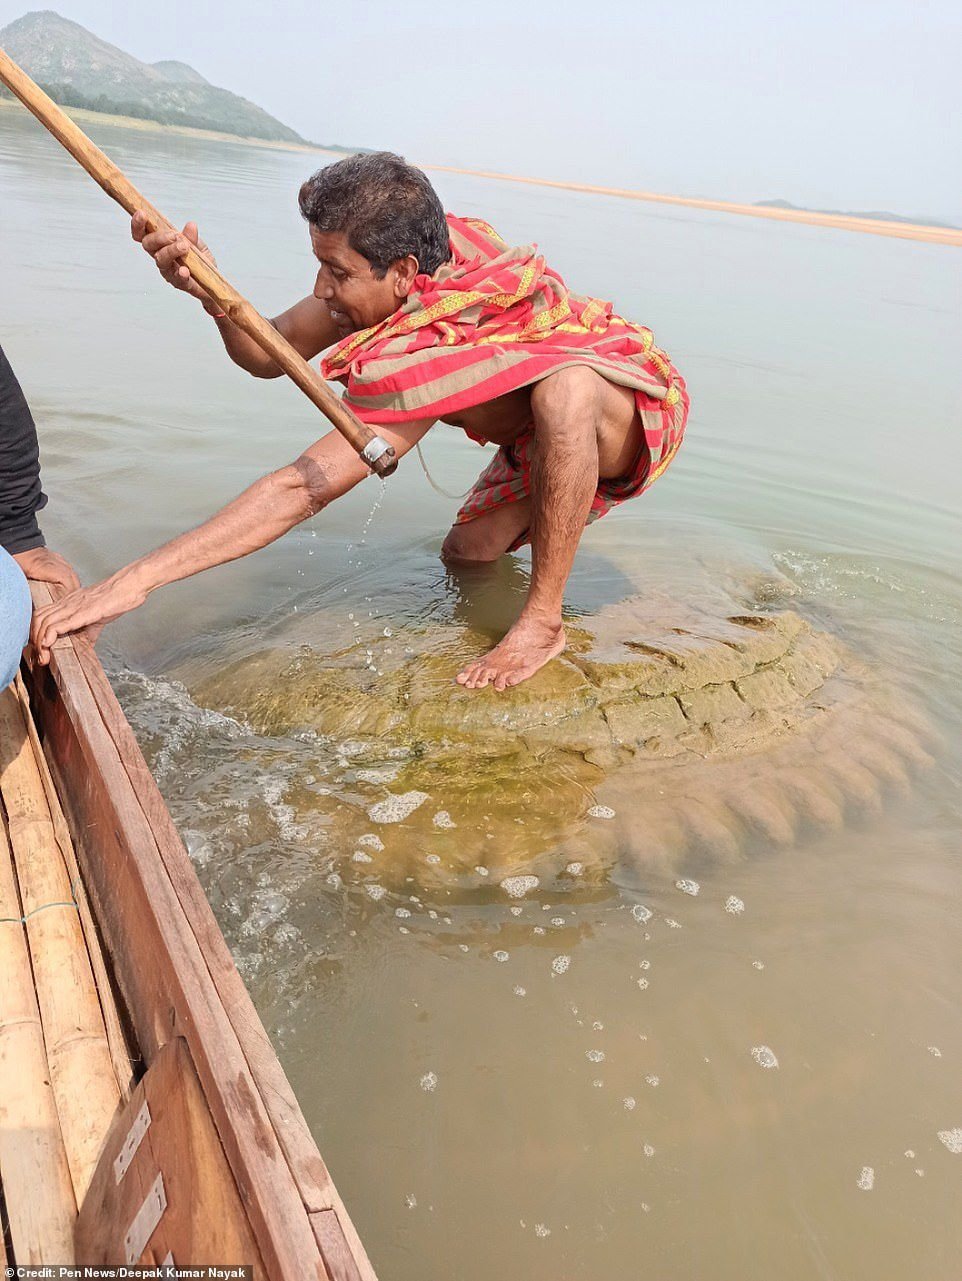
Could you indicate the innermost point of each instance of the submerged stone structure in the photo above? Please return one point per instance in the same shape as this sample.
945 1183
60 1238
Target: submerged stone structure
672 726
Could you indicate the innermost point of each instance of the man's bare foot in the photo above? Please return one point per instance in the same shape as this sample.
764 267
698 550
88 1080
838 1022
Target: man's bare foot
524 651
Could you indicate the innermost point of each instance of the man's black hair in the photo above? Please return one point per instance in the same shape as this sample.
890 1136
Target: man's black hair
385 207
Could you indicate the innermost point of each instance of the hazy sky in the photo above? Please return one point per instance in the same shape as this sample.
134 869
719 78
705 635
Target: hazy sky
845 105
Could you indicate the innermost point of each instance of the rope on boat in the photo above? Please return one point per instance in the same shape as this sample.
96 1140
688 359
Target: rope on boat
22 920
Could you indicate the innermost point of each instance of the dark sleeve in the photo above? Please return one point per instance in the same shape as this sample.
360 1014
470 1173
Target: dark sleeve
20 494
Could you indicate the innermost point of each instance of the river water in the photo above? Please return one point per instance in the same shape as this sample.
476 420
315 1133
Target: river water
495 1091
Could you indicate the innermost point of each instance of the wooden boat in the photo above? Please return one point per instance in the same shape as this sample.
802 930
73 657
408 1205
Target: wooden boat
144 1116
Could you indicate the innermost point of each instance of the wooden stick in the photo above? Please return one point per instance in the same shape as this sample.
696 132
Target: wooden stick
374 450
40 1198
121 1052
81 1071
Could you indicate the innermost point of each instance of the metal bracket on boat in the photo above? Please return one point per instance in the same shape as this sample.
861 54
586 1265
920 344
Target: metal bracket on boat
132 1142
145 1220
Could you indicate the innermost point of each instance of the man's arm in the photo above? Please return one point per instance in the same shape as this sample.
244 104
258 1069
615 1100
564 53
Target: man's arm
265 511
307 325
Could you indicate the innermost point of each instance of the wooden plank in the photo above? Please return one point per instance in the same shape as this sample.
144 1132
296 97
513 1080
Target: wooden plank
316 1186
204 1221
121 1052
33 1162
338 1256
161 969
81 1071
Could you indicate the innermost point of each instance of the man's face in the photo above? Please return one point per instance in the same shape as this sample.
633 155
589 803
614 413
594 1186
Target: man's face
346 282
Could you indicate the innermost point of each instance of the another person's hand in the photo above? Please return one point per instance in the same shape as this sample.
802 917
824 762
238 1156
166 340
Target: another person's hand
46 566
88 608
169 249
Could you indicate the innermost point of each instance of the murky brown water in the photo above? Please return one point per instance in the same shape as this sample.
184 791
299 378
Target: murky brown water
607 1075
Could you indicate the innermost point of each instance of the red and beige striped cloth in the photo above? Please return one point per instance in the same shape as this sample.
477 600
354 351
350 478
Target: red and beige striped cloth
491 320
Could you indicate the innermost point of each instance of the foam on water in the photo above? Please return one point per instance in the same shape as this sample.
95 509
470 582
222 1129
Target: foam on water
429 1082
519 886
687 886
764 1056
397 807
952 1139
601 811
866 1180
560 964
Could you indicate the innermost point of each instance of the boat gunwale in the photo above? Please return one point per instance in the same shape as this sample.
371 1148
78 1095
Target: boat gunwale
295 1211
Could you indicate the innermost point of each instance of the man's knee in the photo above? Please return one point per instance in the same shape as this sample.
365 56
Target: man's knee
465 545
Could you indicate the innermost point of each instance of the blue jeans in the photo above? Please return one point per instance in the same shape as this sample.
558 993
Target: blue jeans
15 610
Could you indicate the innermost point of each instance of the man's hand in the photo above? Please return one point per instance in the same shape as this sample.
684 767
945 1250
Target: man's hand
88 608
169 249
46 566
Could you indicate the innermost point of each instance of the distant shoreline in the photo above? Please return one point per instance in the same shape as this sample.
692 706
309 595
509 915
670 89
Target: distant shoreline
83 116
844 222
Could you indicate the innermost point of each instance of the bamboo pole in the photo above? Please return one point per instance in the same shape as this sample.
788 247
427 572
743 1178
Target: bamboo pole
374 450
121 1051
41 1206
81 1070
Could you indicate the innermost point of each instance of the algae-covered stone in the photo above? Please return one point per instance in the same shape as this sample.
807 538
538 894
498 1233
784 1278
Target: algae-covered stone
633 721
701 721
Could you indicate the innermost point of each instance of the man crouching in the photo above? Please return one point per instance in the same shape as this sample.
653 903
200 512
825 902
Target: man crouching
427 317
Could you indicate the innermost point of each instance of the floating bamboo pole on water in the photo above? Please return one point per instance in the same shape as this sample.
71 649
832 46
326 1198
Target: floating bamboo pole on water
41 1207
120 1047
81 1070
374 450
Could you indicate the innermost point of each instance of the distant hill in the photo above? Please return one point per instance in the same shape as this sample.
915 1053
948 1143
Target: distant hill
77 69
847 213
